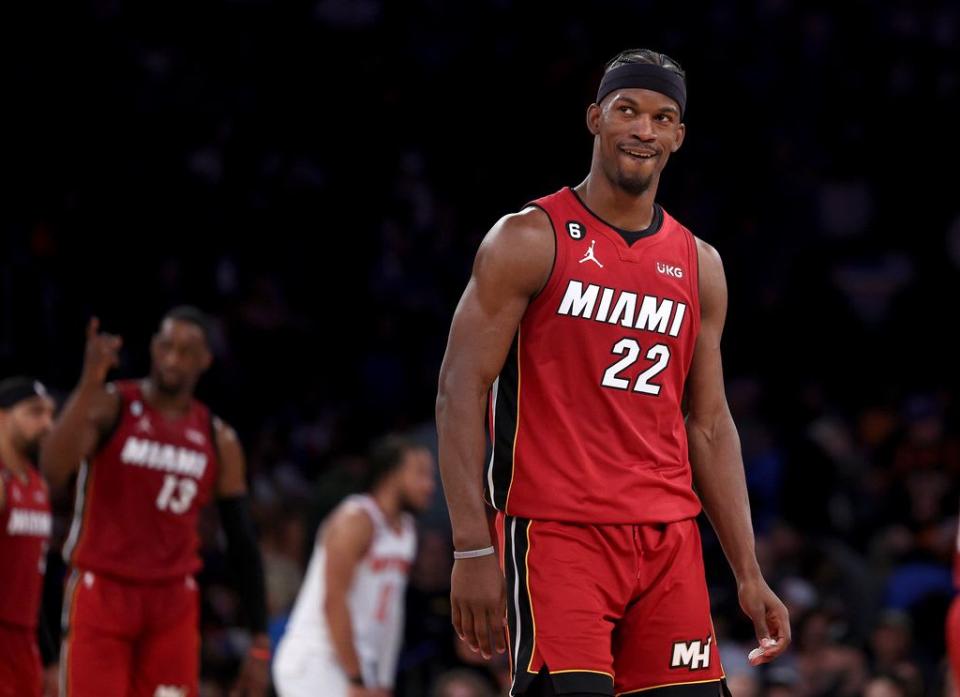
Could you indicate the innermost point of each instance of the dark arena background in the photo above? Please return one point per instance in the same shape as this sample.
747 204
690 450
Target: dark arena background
318 175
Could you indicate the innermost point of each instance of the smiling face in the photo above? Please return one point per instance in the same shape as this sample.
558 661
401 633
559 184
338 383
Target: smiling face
635 132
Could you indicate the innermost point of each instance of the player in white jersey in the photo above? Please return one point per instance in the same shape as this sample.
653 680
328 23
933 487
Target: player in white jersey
345 632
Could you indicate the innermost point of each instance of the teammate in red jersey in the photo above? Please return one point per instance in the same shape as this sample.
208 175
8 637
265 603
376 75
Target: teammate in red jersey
590 317
150 456
26 415
953 623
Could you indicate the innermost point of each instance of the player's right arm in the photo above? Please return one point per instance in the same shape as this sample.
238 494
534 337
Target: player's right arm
90 412
346 541
512 265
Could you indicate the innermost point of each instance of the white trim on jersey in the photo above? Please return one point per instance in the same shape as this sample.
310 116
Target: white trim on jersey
516 594
78 507
493 436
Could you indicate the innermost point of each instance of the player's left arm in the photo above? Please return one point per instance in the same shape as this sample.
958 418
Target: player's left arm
717 465
244 554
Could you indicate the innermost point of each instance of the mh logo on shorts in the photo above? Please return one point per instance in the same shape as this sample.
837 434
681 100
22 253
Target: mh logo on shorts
170 691
694 655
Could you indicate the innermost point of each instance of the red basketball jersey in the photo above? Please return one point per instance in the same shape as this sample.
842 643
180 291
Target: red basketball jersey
25 526
138 500
585 416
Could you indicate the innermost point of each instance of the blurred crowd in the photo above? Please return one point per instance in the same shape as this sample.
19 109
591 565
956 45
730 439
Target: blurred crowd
317 175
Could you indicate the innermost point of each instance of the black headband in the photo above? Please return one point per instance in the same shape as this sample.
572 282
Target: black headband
15 390
645 76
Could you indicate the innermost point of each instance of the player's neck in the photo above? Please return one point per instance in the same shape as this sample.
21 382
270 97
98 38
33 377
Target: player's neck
172 405
388 502
12 459
616 206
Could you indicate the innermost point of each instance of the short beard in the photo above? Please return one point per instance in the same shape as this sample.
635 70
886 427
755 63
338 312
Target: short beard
408 507
633 186
30 450
165 389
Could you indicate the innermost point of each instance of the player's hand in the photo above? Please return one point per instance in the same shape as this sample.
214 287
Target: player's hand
771 621
102 354
478 604
51 681
254 678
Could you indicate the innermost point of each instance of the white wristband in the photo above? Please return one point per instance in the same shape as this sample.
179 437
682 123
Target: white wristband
474 553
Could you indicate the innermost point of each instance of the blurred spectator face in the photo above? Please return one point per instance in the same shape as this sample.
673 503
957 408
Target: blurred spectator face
180 356
743 686
883 687
460 683
890 641
890 644
417 480
876 426
815 632
630 124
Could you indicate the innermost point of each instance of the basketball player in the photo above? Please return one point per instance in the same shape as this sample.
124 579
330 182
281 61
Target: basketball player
588 316
150 456
346 627
26 415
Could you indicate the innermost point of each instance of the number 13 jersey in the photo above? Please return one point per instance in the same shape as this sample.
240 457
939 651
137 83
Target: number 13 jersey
138 499
585 416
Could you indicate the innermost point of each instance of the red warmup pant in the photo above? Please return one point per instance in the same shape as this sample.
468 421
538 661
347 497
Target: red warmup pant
21 674
130 639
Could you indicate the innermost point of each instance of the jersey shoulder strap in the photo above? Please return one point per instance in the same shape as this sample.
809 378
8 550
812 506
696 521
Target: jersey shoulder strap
366 503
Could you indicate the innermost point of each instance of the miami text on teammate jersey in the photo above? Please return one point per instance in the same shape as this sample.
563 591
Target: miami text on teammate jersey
162 456
26 522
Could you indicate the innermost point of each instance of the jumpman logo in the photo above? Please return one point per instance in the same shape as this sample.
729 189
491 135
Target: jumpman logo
590 256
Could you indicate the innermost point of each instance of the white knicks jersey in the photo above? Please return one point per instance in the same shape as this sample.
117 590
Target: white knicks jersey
375 599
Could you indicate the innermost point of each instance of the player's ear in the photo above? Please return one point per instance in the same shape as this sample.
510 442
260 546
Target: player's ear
594 112
206 360
678 140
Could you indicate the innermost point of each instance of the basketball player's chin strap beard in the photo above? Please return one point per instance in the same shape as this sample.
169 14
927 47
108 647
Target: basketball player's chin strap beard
244 557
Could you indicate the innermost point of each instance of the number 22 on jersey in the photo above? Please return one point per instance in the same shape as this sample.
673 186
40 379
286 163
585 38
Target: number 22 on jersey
660 353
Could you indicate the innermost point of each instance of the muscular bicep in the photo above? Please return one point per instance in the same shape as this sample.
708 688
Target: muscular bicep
481 333
706 398
512 265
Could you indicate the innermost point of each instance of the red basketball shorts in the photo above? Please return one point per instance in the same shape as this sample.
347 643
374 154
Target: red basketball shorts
21 674
610 609
129 639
